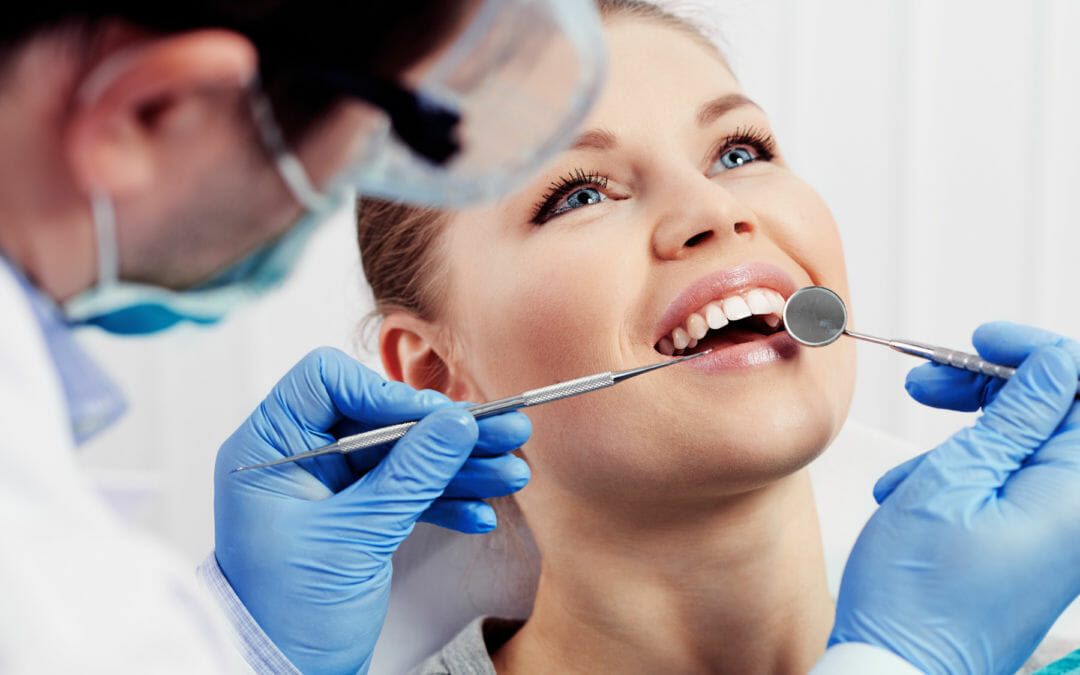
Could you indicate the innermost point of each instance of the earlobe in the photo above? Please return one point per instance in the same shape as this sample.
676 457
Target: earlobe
146 98
412 352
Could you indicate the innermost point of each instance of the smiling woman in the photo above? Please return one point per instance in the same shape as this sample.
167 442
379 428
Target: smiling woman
674 515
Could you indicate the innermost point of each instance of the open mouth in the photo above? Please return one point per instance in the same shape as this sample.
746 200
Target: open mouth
752 314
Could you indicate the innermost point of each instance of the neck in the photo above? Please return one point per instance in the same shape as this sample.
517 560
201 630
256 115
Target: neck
737 588
45 228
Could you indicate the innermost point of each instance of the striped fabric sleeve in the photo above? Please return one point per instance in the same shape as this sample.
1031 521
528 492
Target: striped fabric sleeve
253 644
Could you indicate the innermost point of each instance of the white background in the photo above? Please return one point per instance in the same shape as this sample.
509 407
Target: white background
943 134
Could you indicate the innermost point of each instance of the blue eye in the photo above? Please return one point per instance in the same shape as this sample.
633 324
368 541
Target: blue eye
746 146
570 192
733 158
581 197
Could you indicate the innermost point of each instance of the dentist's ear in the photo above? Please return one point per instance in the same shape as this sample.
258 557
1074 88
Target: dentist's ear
414 351
152 106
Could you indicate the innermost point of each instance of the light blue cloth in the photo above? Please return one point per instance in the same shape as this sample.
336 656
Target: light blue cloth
94 402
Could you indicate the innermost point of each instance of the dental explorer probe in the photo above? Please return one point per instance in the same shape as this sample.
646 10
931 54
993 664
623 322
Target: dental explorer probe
816 316
527 399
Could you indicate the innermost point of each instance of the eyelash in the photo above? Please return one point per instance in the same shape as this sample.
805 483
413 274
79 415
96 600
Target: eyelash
560 188
762 142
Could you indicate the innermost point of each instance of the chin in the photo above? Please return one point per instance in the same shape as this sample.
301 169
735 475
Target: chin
728 441
779 444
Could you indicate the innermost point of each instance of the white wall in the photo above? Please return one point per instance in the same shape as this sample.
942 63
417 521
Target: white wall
941 132
943 136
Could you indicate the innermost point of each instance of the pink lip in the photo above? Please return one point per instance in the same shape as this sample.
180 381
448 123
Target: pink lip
777 347
722 284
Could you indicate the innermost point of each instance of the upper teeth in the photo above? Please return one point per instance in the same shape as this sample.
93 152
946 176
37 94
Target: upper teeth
763 302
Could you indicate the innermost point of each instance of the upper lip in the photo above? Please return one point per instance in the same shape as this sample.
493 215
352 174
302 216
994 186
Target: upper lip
720 285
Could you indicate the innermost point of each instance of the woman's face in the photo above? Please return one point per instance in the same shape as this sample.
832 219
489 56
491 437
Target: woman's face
675 204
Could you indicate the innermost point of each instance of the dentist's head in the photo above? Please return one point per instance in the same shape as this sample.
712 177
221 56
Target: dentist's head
148 150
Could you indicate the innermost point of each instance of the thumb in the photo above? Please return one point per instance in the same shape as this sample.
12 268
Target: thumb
393 495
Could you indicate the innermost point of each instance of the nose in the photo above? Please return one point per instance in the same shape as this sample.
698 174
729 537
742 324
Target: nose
697 212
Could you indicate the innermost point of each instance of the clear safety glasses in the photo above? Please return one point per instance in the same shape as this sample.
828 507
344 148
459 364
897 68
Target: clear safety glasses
505 96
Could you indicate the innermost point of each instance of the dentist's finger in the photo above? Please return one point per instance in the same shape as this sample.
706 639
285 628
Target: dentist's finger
1014 425
470 516
1000 342
502 433
894 477
1010 343
394 494
950 388
484 477
498 434
325 387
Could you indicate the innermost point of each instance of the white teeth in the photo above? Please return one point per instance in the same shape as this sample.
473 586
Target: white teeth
696 327
680 338
736 308
758 302
666 346
776 301
763 302
714 316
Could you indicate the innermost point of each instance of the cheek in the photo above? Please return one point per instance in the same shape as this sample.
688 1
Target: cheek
549 312
795 217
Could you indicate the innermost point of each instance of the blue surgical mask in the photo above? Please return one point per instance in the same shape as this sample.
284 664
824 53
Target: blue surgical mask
129 308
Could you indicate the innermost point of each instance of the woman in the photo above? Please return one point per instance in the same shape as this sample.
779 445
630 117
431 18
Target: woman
673 513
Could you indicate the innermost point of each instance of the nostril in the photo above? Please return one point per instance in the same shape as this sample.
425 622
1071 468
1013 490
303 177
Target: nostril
699 238
742 228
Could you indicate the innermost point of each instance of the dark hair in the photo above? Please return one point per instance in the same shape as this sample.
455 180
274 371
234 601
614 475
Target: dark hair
295 39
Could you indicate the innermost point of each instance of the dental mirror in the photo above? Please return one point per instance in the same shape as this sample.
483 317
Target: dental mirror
815 316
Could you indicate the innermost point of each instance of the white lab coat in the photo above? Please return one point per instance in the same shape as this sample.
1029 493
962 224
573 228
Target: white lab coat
79 592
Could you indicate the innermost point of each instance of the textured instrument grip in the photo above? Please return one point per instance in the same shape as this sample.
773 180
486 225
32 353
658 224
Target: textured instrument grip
374 437
570 388
972 363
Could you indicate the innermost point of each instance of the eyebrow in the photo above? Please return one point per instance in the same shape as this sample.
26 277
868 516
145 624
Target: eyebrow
602 139
595 139
718 107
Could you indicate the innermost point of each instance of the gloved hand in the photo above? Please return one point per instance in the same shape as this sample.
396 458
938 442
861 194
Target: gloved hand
307 546
975 550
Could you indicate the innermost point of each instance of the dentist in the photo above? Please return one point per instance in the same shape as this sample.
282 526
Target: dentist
162 162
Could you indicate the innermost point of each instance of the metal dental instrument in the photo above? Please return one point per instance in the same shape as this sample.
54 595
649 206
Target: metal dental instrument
527 399
816 316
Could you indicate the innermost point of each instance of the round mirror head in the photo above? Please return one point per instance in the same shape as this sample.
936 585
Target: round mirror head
815 316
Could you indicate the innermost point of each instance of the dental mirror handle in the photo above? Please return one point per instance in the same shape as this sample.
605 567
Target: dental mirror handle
942 355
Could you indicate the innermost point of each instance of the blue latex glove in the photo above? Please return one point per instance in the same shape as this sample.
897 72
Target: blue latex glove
307 546
975 550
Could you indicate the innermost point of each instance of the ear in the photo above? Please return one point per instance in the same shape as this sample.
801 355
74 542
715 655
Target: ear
414 352
152 97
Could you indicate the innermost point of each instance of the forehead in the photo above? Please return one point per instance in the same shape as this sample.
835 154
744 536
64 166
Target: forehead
659 71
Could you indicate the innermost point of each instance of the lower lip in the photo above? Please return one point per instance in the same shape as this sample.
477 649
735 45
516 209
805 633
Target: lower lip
777 347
